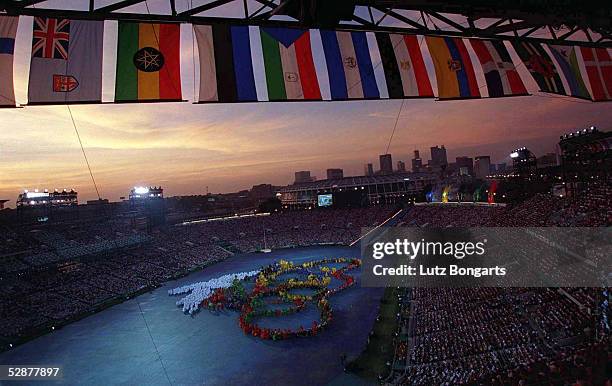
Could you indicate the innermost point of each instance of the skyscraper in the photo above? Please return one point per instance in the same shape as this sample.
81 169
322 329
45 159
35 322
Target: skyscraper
334 174
465 162
368 170
386 164
303 176
482 164
417 163
438 156
401 166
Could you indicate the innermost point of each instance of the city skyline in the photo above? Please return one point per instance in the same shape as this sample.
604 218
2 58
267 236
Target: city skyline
187 147
454 153
427 162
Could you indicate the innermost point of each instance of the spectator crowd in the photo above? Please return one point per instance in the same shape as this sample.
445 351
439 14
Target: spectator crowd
54 274
501 336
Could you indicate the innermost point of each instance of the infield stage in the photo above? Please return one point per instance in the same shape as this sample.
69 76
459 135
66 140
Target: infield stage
149 340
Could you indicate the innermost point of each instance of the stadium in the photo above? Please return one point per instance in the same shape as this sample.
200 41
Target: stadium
94 285
142 274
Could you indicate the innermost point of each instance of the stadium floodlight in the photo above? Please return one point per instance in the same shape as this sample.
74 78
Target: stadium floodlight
141 190
36 194
514 154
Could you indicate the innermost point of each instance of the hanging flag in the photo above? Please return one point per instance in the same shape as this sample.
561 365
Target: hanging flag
290 70
66 64
349 66
540 66
403 65
8 30
148 62
568 64
454 70
226 67
499 71
598 66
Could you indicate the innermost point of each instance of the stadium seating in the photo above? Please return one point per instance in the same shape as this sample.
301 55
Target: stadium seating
499 336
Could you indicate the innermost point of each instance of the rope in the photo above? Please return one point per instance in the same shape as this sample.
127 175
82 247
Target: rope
153 341
139 307
76 130
400 109
395 126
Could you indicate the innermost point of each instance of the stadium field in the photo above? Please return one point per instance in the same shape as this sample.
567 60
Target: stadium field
149 340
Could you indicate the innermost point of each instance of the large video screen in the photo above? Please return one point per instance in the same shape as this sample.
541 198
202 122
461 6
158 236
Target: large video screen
325 200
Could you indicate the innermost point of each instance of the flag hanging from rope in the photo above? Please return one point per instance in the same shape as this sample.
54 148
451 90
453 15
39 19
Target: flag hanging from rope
568 64
148 62
403 64
66 65
8 30
540 66
598 66
349 65
454 70
499 71
226 66
289 67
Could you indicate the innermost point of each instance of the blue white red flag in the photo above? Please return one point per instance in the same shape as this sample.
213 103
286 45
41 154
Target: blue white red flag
499 71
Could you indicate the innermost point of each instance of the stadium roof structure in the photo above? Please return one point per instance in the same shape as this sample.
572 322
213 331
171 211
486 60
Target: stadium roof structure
592 139
554 21
354 182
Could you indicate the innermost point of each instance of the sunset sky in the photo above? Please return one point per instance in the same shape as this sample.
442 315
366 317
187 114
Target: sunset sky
185 147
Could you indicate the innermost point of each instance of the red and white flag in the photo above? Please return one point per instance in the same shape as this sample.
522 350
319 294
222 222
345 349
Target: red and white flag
599 70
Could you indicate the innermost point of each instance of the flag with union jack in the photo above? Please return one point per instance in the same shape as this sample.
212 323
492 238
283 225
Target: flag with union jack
50 38
66 64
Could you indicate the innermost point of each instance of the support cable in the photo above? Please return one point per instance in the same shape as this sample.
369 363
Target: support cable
76 130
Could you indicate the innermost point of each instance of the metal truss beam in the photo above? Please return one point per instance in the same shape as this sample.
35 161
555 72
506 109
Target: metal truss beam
409 16
117 6
205 7
416 25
